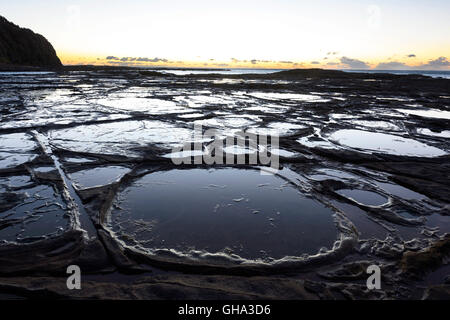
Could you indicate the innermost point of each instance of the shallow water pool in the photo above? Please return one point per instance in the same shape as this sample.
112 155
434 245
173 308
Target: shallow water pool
384 143
223 210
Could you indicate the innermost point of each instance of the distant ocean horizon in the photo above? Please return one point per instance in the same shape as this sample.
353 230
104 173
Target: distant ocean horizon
431 73
445 74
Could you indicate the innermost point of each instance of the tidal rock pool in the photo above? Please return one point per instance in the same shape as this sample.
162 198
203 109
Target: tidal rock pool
233 211
98 176
384 143
32 215
428 132
365 197
429 113
288 96
278 129
16 149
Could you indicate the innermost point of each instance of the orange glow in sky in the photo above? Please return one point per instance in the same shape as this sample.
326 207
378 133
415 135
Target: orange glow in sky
246 34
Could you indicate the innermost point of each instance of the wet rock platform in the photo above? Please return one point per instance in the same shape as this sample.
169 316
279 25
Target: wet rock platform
86 178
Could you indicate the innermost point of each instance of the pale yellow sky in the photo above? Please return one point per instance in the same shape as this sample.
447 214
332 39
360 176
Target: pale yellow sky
268 34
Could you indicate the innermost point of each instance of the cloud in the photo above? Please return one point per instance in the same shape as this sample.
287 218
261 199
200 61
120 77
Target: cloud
438 63
332 63
151 60
412 55
393 65
124 59
256 61
315 62
133 61
354 63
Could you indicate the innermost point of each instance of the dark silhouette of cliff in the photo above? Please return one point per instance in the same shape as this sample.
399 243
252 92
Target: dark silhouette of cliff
22 47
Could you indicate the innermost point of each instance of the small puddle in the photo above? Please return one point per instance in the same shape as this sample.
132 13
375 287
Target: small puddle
283 153
98 176
191 115
367 198
277 129
38 213
375 124
227 122
384 143
400 191
239 150
325 174
428 132
288 96
8 159
430 113
184 154
316 142
198 101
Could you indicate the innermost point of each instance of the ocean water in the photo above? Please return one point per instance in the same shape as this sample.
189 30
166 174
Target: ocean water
430 73
221 71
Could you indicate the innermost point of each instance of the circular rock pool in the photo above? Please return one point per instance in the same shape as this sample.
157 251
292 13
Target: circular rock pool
228 211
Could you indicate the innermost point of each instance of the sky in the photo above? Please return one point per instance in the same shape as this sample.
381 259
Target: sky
394 34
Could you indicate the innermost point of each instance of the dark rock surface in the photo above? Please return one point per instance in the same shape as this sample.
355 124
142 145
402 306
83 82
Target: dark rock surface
439 292
416 263
104 120
21 46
